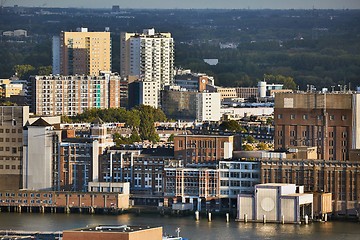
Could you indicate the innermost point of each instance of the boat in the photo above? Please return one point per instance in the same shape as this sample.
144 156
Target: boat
169 237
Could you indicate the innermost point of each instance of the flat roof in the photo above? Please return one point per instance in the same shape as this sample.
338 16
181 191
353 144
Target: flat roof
112 228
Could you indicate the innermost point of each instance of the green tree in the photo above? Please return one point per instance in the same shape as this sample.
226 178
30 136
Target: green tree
231 125
44 70
262 146
23 71
171 138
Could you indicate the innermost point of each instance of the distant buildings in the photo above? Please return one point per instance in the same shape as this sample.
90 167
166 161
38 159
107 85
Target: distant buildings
81 52
208 106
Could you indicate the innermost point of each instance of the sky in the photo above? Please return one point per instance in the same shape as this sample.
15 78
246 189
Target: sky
186 4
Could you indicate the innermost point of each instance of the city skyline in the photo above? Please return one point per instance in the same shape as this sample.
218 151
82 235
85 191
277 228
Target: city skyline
200 4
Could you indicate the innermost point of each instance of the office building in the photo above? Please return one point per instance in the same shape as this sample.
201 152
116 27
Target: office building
12 119
82 52
148 56
193 81
328 121
71 95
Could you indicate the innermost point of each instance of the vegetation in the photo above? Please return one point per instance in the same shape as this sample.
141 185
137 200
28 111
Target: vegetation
232 125
296 47
141 120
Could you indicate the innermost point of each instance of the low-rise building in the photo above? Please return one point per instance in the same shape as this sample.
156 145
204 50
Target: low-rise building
114 232
275 203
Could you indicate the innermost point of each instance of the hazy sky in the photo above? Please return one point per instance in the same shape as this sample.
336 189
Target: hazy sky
253 4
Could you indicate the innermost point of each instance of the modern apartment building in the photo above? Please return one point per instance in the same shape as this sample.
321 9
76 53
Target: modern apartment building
148 56
12 121
143 93
82 52
142 168
208 106
328 121
71 95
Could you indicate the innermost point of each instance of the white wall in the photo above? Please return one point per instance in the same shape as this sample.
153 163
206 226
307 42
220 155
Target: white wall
38 160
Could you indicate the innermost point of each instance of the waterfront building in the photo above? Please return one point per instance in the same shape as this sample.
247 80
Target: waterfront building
114 232
40 163
238 177
275 203
82 53
142 168
328 121
204 149
62 201
71 95
12 119
191 185
340 178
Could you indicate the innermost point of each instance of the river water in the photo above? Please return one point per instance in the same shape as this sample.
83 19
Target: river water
217 229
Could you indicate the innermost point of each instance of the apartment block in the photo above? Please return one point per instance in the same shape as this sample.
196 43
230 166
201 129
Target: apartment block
82 52
208 106
71 95
149 56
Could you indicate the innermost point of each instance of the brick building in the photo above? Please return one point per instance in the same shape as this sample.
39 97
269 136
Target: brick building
328 121
204 149
340 178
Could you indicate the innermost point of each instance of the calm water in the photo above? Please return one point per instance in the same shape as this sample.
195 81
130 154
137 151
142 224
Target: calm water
217 229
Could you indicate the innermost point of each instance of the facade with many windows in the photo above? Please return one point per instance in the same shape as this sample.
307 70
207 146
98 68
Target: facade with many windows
71 95
328 121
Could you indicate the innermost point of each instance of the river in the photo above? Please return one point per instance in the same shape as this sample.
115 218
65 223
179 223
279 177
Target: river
217 229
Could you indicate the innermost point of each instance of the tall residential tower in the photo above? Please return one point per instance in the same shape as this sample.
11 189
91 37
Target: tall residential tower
81 52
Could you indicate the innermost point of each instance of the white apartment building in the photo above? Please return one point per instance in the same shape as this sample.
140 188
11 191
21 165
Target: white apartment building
144 93
148 56
208 106
71 95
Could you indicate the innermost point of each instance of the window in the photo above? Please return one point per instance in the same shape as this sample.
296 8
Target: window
343 117
305 116
279 116
292 116
332 117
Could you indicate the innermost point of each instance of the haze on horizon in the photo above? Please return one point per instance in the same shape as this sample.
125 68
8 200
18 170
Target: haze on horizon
188 4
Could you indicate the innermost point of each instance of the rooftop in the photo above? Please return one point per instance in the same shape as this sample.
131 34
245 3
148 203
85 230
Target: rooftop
113 228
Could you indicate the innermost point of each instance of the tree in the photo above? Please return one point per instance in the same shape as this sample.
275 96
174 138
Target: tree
231 125
44 70
23 71
171 138
262 146
247 147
